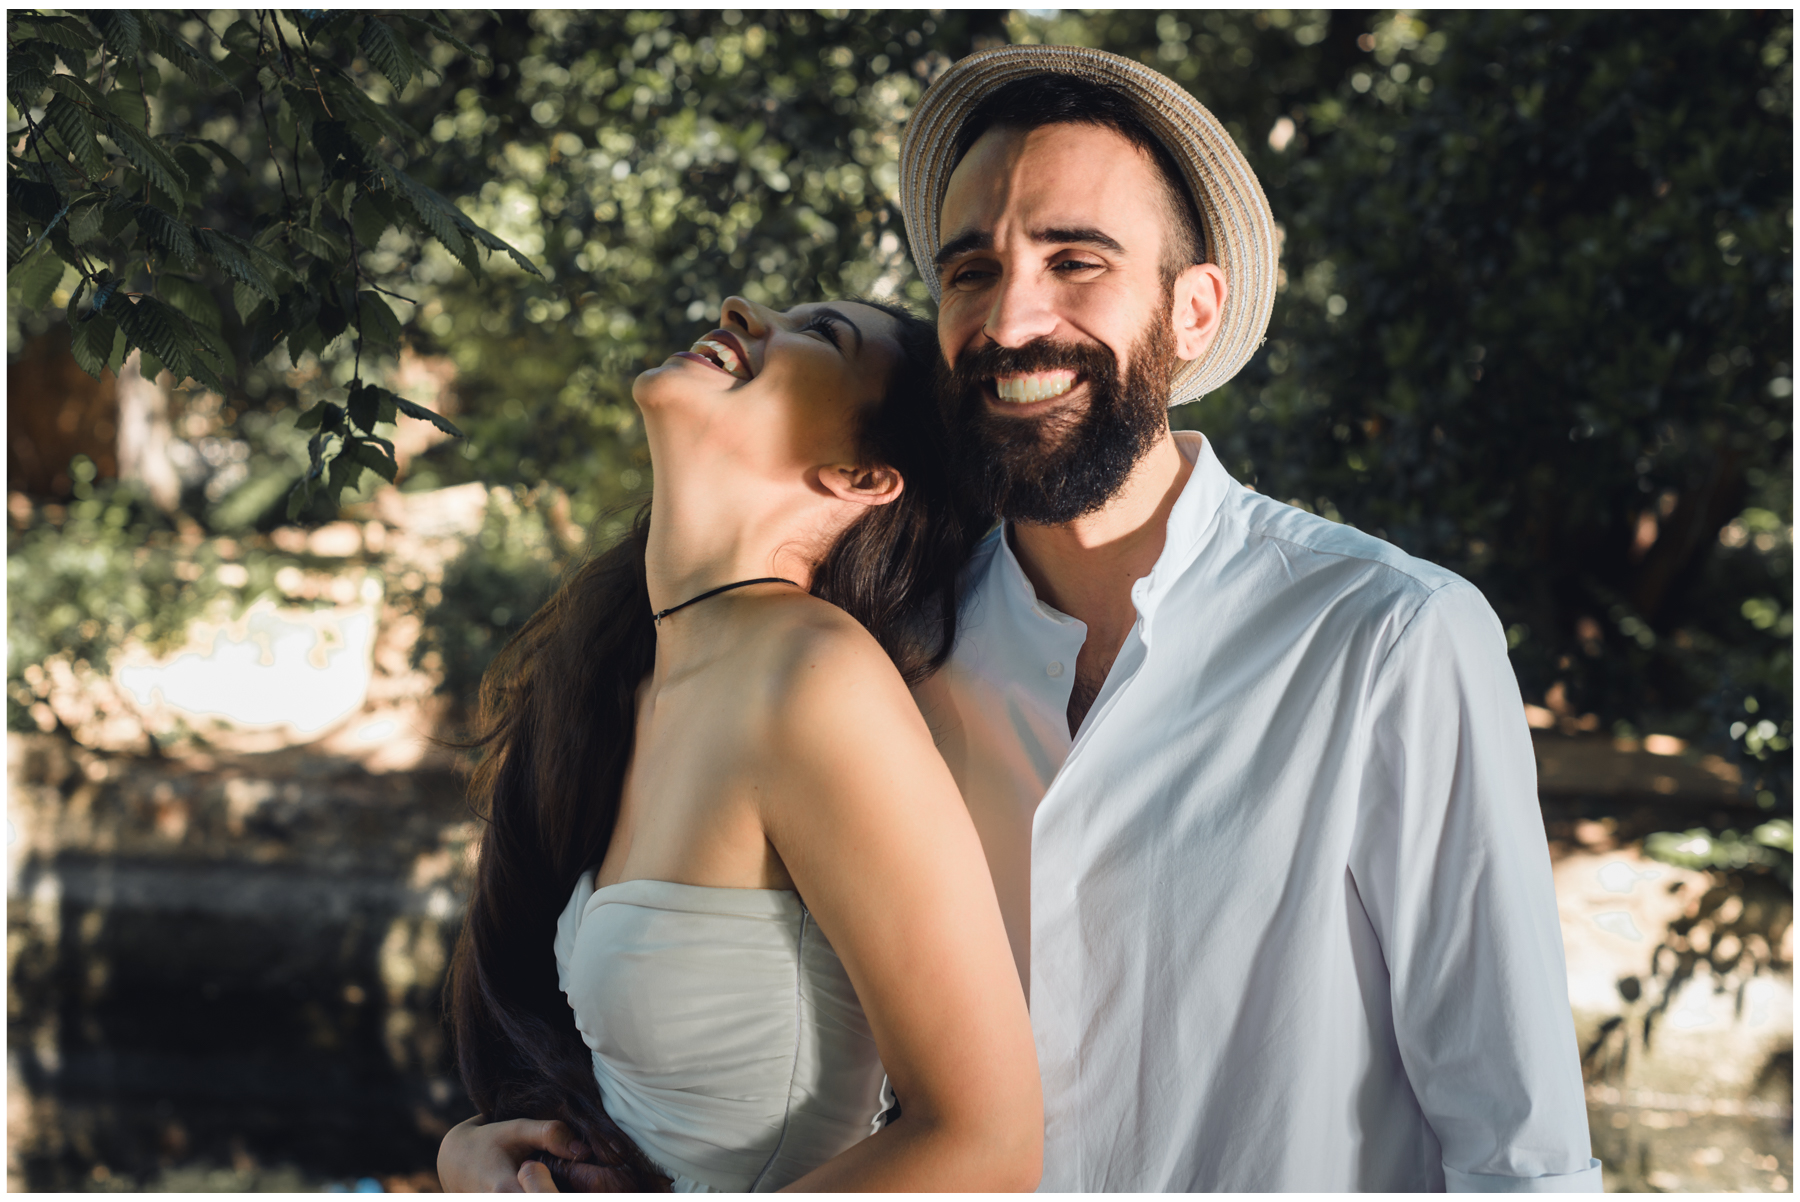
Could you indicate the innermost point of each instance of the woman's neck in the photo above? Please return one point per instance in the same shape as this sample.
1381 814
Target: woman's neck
705 533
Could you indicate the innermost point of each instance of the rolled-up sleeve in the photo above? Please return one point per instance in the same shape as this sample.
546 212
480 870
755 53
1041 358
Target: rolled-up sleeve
1450 864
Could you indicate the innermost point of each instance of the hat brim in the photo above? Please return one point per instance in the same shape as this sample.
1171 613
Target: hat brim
1237 227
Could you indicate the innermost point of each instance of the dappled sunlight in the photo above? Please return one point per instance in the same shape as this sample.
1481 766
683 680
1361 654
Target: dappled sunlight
274 668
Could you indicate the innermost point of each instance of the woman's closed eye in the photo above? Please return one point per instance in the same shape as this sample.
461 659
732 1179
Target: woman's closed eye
823 325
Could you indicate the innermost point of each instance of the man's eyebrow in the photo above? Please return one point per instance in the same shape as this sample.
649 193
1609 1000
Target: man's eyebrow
838 315
983 240
962 244
1086 236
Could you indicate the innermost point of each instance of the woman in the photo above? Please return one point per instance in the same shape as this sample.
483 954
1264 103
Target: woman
707 781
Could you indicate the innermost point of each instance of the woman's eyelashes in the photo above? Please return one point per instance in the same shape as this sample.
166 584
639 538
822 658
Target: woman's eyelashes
822 325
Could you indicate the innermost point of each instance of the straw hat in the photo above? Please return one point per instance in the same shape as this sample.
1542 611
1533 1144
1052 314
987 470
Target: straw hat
1238 230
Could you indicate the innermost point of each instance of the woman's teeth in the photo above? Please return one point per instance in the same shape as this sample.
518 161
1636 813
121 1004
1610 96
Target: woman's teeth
723 355
1039 386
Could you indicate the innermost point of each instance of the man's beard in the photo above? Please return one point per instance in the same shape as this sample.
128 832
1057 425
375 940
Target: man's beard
1054 469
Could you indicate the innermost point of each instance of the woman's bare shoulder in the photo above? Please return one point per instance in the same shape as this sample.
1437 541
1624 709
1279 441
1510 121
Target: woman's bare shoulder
823 671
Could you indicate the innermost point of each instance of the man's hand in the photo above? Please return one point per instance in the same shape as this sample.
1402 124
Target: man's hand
481 1157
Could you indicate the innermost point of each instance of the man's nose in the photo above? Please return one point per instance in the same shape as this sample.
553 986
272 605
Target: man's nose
1023 309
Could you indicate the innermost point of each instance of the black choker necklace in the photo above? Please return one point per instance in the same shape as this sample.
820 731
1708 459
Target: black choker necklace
723 588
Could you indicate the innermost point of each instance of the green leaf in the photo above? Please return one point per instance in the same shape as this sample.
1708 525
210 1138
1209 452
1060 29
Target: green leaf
24 85
191 299
319 245
153 325
377 322
246 300
233 258
150 367
349 102
36 200
155 162
18 236
370 455
364 406
194 165
127 106
323 416
85 221
344 157
430 213
72 313
67 33
444 35
203 349
65 250
306 336
92 344
242 37
36 278
231 161
423 414
299 497
387 53
119 29
168 233
346 475
493 242
371 216
79 90
76 129
184 57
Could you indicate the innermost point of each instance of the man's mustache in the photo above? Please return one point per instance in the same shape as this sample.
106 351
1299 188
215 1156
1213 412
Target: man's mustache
1041 354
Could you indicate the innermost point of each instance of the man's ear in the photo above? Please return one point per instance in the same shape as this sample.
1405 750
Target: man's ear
1199 295
862 485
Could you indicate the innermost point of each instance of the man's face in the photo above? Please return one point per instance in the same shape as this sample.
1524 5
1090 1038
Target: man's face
1055 321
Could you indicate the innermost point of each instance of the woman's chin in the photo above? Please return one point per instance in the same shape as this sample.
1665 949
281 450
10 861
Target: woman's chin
673 380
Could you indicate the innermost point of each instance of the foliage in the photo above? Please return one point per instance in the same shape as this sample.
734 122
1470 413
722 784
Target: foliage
1534 324
1770 845
500 579
162 219
107 571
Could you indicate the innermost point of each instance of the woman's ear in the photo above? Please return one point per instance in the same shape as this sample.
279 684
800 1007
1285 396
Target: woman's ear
862 485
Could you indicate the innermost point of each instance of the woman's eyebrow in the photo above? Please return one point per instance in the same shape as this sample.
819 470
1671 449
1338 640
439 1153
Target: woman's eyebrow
837 315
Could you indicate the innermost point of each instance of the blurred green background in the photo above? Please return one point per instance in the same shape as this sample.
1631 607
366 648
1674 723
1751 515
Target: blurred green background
1535 325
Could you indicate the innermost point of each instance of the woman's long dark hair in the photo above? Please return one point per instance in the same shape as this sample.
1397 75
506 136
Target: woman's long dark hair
556 718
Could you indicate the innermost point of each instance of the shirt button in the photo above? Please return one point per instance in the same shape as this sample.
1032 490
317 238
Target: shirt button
1055 669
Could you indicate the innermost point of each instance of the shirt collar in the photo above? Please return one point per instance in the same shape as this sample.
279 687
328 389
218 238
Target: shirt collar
1189 519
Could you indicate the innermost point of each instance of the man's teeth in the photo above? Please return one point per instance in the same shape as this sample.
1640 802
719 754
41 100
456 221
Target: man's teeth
724 355
1040 386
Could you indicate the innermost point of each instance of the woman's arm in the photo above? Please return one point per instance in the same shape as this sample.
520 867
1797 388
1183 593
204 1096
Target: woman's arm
867 820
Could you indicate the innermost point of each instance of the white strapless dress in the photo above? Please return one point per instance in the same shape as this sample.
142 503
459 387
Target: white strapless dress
727 1039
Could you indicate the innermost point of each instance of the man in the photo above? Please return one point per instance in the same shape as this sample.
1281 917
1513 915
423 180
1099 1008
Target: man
1256 789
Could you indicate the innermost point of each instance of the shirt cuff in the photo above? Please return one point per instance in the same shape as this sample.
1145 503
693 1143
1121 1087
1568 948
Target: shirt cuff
1586 1181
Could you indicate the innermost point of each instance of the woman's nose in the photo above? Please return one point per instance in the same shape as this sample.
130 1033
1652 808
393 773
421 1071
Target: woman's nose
740 314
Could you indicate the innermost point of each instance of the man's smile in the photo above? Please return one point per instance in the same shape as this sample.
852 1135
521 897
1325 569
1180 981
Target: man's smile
1027 387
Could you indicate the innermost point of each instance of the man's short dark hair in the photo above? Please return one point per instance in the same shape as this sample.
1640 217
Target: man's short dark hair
1056 99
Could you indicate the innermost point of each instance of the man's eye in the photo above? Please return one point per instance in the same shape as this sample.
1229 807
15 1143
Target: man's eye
1069 265
968 277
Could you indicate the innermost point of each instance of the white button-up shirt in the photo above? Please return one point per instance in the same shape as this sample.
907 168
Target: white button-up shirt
1291 924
